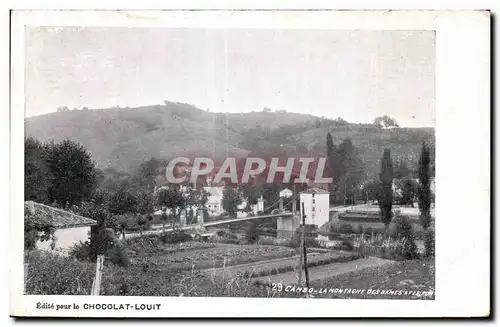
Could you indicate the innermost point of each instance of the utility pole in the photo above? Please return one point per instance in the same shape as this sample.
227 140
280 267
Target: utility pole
304 245
301 251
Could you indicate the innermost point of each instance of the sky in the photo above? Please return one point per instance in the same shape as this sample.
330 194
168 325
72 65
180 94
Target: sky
355 75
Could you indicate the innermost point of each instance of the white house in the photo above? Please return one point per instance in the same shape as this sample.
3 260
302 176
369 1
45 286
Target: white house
70 229
214 203
316 203
256 208
286 193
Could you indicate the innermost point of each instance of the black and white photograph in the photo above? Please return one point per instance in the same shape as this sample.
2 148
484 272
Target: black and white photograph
229 162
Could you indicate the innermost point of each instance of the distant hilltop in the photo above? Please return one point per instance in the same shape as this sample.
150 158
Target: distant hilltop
123 138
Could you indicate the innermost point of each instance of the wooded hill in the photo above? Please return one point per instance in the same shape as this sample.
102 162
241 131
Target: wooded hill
123 138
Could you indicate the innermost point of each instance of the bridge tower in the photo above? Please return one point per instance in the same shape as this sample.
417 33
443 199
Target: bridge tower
287 225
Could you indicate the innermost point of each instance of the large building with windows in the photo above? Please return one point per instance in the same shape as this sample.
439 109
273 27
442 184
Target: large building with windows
316 204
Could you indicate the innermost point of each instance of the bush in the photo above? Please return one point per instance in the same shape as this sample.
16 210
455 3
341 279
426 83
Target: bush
345 245
117 256
175 237
266 241
221 233
81 251
346 229
406 247
251 234
206 215
334 236
429 243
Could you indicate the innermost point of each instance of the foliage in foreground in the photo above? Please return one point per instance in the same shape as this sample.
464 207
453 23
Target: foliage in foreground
52 274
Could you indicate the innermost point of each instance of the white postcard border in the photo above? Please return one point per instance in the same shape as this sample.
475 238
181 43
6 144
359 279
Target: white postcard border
462 103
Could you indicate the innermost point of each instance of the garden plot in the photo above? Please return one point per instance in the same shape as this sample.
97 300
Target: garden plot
280 266
215 256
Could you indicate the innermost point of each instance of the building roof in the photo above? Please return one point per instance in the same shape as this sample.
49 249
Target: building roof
287 190
55 217
315 190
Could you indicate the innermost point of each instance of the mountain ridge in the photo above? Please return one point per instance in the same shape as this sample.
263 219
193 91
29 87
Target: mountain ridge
122 138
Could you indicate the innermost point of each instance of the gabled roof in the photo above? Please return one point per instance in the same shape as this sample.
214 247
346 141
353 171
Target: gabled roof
315 190
55 217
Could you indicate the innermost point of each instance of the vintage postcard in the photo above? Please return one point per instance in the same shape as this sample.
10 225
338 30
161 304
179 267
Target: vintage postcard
250 163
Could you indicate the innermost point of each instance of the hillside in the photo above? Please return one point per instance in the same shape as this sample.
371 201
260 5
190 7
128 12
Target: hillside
122 138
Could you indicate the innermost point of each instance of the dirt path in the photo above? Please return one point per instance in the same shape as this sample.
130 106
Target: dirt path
327 271
270 264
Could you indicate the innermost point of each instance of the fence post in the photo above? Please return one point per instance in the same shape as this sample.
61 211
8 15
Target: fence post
304 245
301 258
26 265
96 284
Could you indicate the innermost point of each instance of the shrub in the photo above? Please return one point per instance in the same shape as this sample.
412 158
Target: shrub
406 247
266 241
334 236
345 245
81 251
429 243
251 234
175 237
221 233
206 215
346 229
117 256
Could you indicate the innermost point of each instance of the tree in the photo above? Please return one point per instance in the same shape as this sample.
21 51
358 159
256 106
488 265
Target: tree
331 156
346 169
73 173
270 193
163 218
251 191
141 222
386 176
409 189
401 170
385 122
371 190
37 176
147 173
144 202
36 230
251 234
123 201
194 198
424 192
172 199
100 240
350 169
122 222
231 200
101 196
